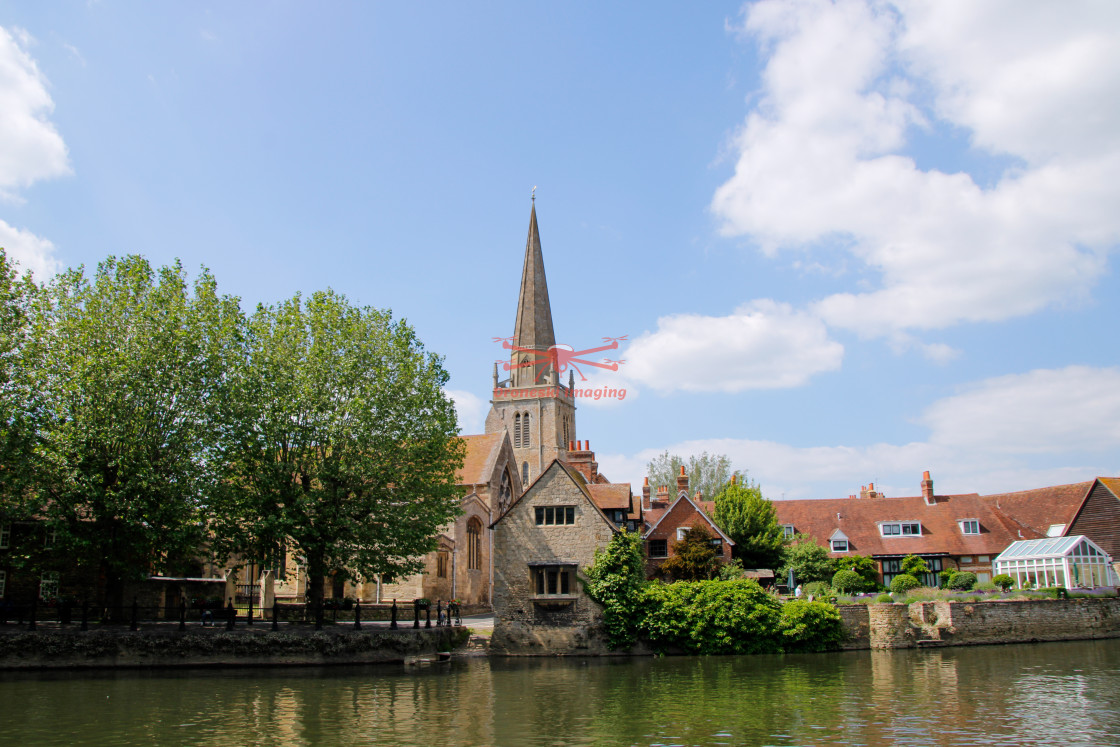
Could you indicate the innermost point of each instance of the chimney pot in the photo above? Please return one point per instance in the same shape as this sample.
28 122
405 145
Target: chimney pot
682 470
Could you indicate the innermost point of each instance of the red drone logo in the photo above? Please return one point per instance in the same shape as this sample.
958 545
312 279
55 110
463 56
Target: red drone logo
561 357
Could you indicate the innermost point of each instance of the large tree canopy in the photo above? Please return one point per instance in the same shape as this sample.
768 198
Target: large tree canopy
345 450
707 473
19 400
132 376
750 520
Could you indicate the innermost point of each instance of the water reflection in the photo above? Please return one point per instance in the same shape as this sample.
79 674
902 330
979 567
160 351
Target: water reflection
1044 694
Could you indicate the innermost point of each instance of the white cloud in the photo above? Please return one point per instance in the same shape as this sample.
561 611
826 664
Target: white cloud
31 148
470 410
1045 427
762 345
31 252
1040 412
821 157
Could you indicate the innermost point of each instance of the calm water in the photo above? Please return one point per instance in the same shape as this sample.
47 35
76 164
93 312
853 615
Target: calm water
1042 694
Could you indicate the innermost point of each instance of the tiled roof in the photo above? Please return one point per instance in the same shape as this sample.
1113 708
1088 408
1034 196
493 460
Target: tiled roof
482 451
859 519
1112 483
1038 509
611 496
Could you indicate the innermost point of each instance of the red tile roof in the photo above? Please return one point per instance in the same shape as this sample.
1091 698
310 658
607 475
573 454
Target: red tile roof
859 520
1036 510
611 496
482 451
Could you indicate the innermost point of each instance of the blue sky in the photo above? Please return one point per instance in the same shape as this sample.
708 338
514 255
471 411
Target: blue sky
847 242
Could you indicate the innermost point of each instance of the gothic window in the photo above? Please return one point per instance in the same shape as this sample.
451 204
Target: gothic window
526 439
505 492
474 544
524 474
517 431
441 564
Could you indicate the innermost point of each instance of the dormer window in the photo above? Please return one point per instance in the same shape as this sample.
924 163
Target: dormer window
787 530
970 526
839 545
901 529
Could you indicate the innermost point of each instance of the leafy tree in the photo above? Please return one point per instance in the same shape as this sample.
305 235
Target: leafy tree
811 626
132 375
847 582
808 561
751 522
866 567
19 397
345 449
615 580
962 581
707 473
903 583
914 566
1003 581
693 558
712 617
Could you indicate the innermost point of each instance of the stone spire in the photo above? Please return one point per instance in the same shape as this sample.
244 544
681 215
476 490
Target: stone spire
533 328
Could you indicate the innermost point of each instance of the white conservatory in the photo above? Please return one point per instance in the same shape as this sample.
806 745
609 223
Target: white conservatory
1056 561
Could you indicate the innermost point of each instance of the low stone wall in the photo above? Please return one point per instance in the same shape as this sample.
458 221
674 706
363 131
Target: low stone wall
922 624
168 647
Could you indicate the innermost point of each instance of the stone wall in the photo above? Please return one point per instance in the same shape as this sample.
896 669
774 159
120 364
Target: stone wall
166 647
924 624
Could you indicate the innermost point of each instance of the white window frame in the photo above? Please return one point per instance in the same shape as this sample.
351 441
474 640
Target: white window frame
788 530
843 542
967 524
681 532
49 581
901 527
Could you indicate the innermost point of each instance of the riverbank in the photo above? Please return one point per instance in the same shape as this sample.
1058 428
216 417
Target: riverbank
165 646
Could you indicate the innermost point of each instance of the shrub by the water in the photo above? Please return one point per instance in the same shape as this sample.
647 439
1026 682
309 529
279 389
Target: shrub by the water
847 582
1003 581
963 581
811 626
903 583
712 617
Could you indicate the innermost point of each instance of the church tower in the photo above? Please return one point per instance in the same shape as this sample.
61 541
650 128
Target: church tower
531 405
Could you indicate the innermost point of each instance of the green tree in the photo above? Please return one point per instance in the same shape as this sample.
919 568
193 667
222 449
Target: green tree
914 566
693 558
867 568
20 403
707 473
808 561
132 375
847 582
615 580
346 446
751 522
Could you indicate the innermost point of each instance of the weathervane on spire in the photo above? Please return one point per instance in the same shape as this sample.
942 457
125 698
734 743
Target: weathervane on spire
533 194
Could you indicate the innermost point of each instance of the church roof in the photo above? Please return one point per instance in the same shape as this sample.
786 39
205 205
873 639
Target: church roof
533 328
478 465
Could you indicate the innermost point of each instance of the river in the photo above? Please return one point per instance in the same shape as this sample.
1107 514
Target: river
1033 694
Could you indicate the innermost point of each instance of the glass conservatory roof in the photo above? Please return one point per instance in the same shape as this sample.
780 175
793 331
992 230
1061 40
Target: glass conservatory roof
1052 547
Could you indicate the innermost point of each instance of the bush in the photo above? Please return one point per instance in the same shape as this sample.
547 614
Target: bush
945 576
711 617
884 599
903 583
615 581
810 626
985 586
963 581
1003 581
817 588
847 582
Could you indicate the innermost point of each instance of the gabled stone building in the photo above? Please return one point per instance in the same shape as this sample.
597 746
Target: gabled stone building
544 543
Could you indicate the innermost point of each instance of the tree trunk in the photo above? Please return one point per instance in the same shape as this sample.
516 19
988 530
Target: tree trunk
316 571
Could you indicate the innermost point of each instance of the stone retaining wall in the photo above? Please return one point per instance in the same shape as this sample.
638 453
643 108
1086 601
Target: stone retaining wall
922 624
167 647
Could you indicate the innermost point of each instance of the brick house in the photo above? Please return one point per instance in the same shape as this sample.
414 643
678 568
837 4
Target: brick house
959 532
666 523
546 539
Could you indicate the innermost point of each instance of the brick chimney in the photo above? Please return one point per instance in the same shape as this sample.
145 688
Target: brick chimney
868 491
927 489
682 482
583 460
645 495
662 499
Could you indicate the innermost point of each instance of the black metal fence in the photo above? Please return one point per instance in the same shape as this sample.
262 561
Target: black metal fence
84 615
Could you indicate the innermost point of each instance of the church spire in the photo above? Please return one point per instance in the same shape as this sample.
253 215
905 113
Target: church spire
533 328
